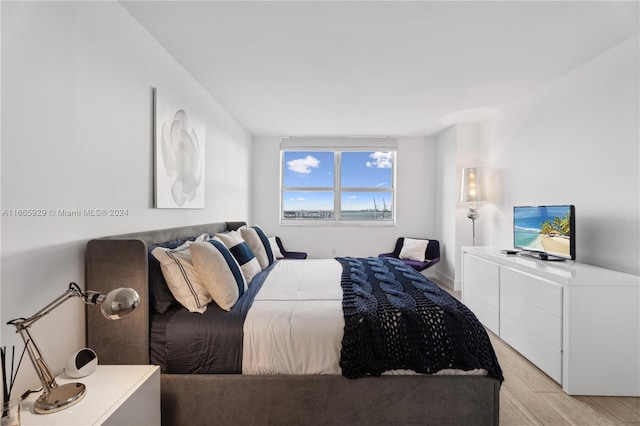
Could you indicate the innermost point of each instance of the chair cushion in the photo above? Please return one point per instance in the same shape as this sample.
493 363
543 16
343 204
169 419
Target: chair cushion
414 249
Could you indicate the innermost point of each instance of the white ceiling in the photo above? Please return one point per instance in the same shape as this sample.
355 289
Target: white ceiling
382 67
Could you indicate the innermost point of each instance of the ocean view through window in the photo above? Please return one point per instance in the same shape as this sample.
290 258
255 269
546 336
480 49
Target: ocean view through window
337 186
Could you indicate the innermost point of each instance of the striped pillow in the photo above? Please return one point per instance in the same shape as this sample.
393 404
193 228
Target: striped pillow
219 272
242 253
182 278
259 245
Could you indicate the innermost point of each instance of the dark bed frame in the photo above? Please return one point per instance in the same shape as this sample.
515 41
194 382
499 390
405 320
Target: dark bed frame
204 399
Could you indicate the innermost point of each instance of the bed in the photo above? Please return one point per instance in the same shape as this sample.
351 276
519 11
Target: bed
269 398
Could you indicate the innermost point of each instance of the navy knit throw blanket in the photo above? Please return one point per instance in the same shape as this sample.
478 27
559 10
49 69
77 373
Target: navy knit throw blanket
395 318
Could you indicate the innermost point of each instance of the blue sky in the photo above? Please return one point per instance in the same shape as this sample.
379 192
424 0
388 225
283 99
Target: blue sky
315 169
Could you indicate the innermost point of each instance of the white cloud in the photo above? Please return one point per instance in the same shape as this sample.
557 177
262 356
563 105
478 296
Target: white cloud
353 197
381 160
304 165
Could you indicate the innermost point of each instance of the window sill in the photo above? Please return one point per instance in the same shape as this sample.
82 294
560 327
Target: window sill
339 224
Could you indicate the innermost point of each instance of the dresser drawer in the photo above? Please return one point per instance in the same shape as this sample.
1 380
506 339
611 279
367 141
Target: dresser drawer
545 356
539 292
481 290
531 318
483 300
484 270
543 325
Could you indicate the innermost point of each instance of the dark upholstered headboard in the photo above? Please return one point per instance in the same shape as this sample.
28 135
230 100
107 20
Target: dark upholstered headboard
122 261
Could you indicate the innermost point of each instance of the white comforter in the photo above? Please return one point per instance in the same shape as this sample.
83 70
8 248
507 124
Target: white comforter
296 322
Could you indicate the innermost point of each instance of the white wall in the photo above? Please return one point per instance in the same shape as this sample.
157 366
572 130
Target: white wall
447 143
77 82
457 148
415 204
576 141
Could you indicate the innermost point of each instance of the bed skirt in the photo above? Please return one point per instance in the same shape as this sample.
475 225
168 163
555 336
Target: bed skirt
329 400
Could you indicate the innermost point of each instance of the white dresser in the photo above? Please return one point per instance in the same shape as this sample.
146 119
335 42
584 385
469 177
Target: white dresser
578 323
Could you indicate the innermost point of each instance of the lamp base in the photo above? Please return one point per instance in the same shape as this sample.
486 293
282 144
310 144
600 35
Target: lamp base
60 398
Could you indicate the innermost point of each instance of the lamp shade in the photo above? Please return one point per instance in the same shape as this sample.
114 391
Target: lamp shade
471 187
119 302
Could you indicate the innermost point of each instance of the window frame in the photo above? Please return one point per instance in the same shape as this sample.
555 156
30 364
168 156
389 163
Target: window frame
337 189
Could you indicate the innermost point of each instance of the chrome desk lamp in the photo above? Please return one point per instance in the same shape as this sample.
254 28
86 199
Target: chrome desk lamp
116 304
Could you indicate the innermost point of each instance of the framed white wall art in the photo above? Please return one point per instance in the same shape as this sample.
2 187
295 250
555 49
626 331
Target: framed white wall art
179 143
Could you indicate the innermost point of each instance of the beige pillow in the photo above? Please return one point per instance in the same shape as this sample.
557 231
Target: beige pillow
413 249
182 278
259 245
219 272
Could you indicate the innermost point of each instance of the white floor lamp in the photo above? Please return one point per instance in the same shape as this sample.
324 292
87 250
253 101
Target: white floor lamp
471 191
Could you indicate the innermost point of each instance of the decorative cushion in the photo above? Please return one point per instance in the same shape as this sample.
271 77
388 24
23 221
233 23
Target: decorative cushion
160 296
277 254
242 253
219 272
413 249
182 278
259 245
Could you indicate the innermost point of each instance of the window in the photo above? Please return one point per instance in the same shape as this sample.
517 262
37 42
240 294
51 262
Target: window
349 185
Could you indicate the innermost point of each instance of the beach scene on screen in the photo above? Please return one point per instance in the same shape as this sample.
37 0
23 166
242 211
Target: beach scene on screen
543 229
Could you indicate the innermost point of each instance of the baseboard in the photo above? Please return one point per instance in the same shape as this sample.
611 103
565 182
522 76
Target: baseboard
444 279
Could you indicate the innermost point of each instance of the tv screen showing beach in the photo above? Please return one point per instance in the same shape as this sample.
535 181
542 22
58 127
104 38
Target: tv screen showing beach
543 229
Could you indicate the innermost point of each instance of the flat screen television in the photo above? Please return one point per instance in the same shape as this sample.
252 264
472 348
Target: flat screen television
545 232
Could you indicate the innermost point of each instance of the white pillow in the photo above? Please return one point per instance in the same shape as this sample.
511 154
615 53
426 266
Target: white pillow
219 272
277 254
259 245
413 249
182 278
242 253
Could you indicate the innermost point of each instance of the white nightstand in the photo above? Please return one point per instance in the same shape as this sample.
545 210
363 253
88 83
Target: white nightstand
116 395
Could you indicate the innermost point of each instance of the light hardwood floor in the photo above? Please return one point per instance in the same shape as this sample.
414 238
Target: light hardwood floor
529 397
